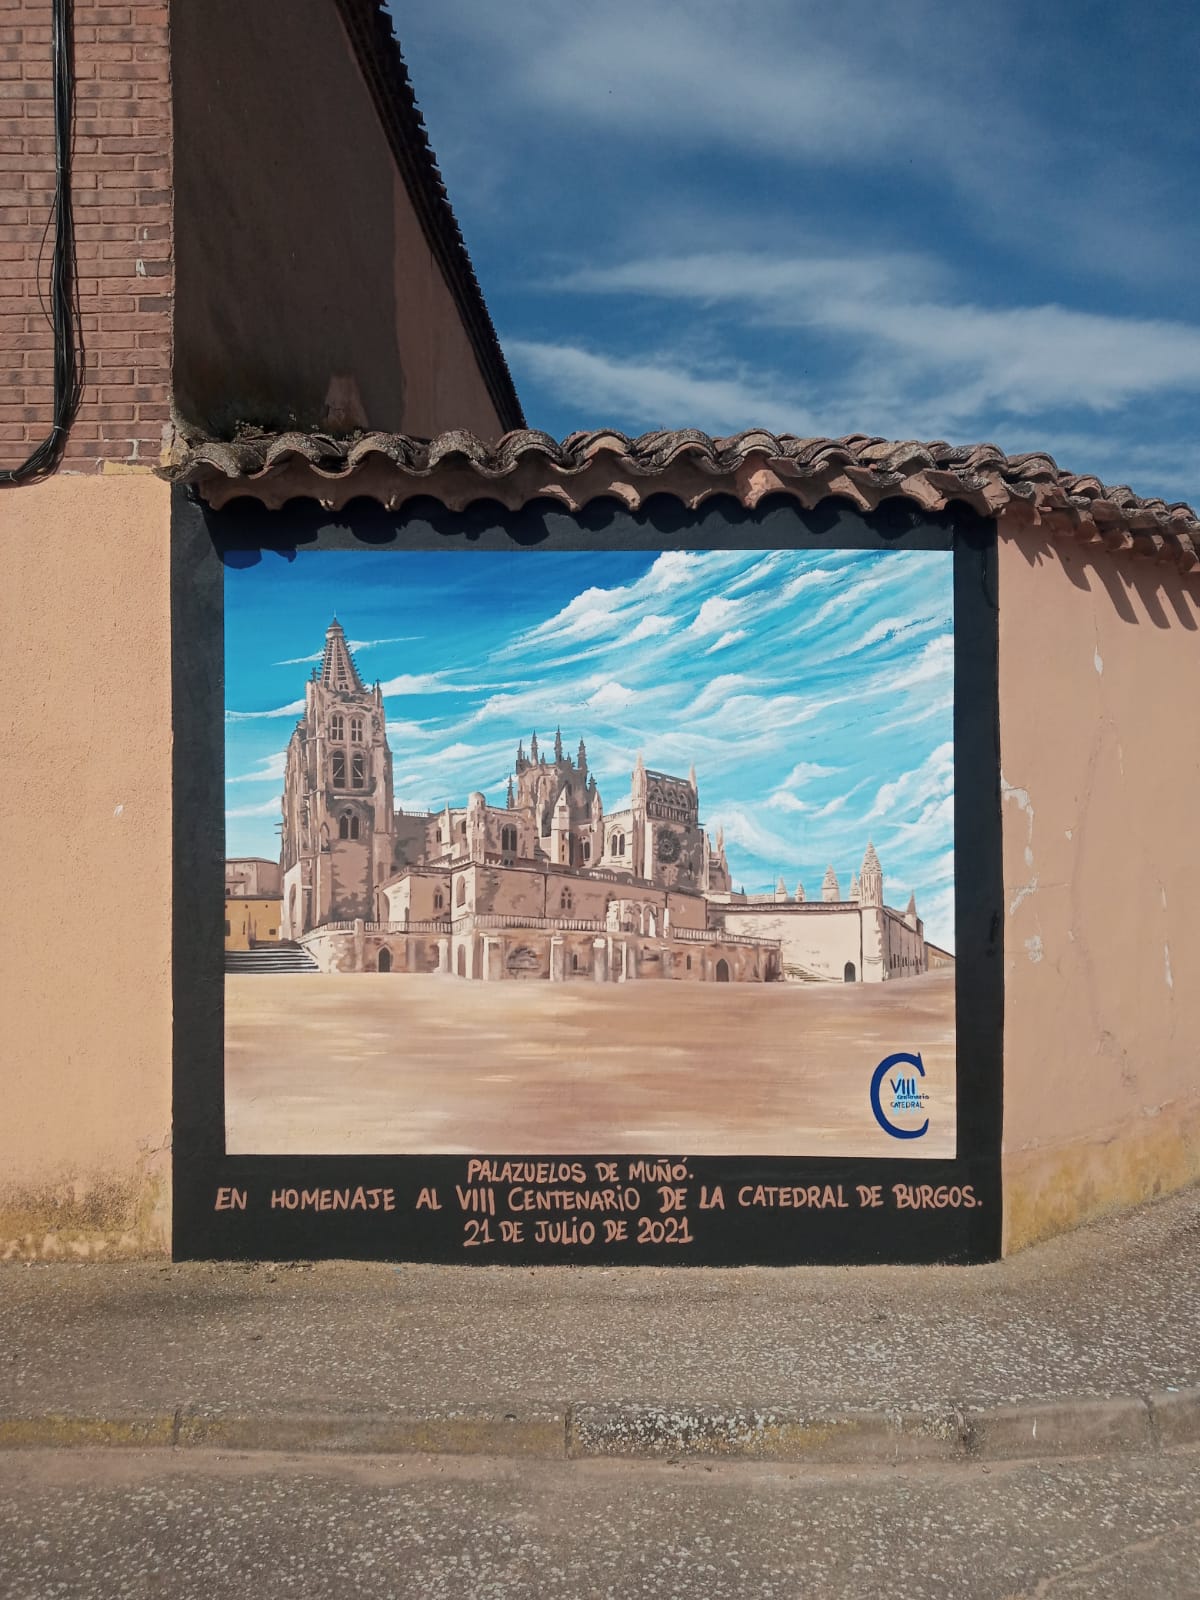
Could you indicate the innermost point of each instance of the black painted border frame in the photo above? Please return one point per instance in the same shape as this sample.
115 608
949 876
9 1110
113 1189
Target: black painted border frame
203 541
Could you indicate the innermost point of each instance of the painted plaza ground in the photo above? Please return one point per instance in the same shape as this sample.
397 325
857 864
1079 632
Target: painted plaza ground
371 1064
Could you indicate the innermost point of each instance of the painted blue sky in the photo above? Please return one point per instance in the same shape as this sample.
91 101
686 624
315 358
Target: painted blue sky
813 690
968 221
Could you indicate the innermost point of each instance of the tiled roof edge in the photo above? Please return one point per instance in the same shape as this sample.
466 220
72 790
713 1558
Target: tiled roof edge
458 469
378 51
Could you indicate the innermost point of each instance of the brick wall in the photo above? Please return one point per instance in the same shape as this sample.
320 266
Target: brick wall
122 176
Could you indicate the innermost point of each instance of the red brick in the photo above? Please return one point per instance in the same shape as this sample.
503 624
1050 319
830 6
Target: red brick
144 145
24 89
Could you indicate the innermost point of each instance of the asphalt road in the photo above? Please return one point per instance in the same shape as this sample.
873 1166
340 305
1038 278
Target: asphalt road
121 1523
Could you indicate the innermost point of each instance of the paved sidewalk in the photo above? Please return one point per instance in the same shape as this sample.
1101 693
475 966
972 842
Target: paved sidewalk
1091 1342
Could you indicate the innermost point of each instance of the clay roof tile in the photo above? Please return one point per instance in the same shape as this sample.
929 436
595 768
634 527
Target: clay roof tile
523 465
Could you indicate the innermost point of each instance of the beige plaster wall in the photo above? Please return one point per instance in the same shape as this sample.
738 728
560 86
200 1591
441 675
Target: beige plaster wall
1100 755
85 811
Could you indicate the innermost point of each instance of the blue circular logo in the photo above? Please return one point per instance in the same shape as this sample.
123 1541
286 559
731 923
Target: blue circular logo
903 1093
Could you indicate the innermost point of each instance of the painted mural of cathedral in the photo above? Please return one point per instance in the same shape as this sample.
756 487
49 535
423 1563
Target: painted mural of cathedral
549 885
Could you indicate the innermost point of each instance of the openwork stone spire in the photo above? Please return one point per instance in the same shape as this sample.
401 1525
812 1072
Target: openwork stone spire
337 665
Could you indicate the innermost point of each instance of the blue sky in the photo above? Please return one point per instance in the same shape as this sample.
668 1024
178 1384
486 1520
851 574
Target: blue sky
969 221
813 690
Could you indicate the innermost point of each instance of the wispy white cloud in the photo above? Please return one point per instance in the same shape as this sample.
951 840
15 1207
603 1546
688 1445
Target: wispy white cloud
714 614
661 392
806 772
785 800
410 732
743 827
917 348
717 690
356 645
726 639
422 683
612 699
263 808
932 780
648 628
269 770
294 708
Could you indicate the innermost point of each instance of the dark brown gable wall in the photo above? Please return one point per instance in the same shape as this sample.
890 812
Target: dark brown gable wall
307 295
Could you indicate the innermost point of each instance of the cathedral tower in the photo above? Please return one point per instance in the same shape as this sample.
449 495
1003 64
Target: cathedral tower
561 799
338 821
871 879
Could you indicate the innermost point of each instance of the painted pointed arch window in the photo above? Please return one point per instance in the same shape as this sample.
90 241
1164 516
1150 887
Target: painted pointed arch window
358 770
337 767
337 726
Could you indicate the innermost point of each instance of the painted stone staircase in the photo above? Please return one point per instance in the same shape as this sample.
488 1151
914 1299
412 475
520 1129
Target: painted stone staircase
270 958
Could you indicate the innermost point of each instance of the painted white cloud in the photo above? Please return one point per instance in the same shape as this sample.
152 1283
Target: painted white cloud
421 683
355 645
912 791
807 772
648 628
718 690
611 699
714 614
269 769
263 808
727 639
785 800
294 709
743 828
673 568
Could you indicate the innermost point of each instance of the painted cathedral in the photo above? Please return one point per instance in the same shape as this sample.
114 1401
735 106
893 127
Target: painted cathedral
548 885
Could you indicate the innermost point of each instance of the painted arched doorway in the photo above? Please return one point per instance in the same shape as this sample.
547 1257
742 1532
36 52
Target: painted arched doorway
722 970
849 974
385 960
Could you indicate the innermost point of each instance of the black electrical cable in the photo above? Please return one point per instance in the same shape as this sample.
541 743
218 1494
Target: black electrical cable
63 314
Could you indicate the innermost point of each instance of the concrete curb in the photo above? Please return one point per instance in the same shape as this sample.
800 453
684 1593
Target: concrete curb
1124 1425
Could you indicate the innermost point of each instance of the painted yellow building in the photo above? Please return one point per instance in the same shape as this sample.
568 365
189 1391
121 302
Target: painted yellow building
251 920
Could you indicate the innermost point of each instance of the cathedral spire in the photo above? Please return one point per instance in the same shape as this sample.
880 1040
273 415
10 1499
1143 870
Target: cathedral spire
337 664
558 749
871 881
511 796
829 885
533 750
582 756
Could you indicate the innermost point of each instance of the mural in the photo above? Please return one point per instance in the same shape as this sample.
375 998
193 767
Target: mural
595 853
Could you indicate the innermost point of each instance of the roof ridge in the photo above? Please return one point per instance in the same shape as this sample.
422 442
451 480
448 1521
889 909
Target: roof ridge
373 37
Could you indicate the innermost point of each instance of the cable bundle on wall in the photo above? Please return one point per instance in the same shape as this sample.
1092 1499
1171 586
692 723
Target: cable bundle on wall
63 312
